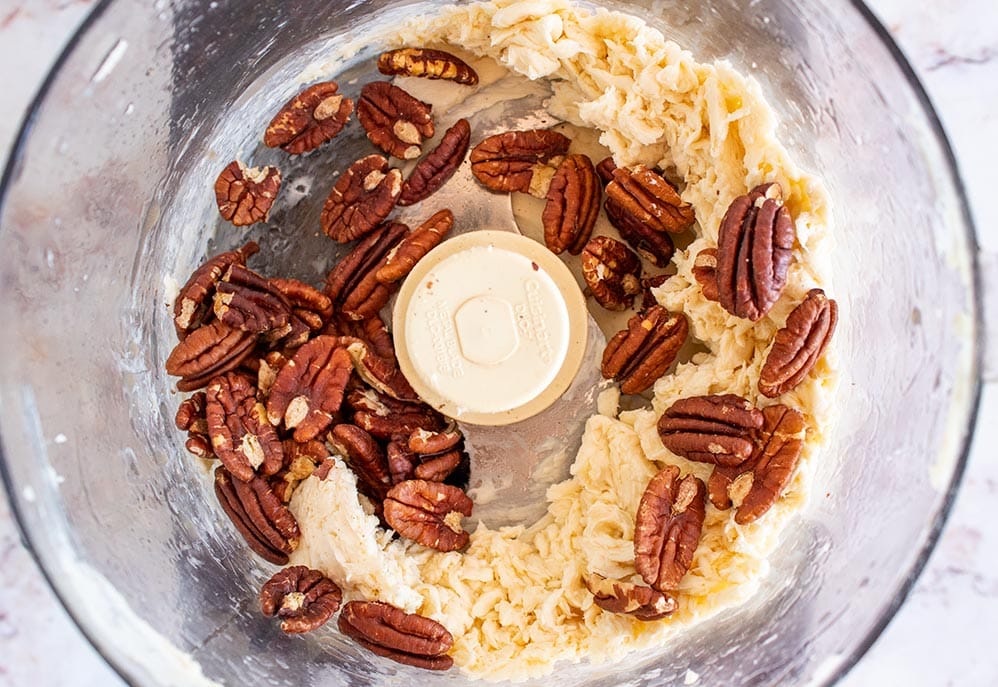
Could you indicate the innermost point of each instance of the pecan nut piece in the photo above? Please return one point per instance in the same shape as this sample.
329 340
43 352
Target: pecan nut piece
427 63
261 518
798 346
244 194
617 596
424 238
308 390
640 354
191 418
654 246
310 311
353 284
605 168
428 513
667 528
300 461
612 272
241 436
650 199
572 205
245 300
192 306
401 461
438 468
386 418
403 637
394 121
705 272
522 161
361 199
207 352
309 119
365 457
438 166
431 443
711 429
380 372
303 598
754 252
755 485
371 330
648 299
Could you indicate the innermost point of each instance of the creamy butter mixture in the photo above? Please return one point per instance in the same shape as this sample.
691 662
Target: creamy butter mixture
515 600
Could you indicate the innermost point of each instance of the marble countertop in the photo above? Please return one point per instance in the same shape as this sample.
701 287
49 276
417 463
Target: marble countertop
943 635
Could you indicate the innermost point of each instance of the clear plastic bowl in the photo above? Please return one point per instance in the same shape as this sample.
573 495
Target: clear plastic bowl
98 205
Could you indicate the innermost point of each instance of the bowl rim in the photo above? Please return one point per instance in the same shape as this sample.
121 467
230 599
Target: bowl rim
10 173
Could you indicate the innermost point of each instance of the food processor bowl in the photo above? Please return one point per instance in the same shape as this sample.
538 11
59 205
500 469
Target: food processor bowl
106 202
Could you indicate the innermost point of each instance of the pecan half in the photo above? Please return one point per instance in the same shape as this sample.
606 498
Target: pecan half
424 512
353 285
300 461
207 352
438 468
604 169
643 352
711 429
572 205
403 637
371 330
668 526
385 417
394 120
245 300
754 252
244 194
309 389
380 372
654 246
309 119
303 598
401 461
755 485
365 458
264 522
424 238
431 443
310 311
361 199
192 307
798 346
191 418
241 436
612 272
705 272
438 166
519 161
617 596
427 63
650 199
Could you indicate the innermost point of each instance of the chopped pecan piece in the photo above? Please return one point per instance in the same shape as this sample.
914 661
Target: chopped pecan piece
705 272
438 166
427 63
310 311
617 596
394 120
754 252
245 300
304 599
207 352
392 633
361 199
380 372
365 458
244 194
519 161
648 299
300 461
385 417
241 436
643 352
264 522
309 389
654 246
352 285
423 512
605 168
668 526
401 259
650 199
191 418
798 346
612 272
711 429
755 485
572 205
192 306
309 119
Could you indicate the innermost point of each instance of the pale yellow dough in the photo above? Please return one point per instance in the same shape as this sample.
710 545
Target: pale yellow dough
514 600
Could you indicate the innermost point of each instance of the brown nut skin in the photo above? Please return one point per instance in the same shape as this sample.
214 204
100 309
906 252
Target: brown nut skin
361 199
424 238
711 429
207 352
309 119
401 461
434 170
604 170
640 354
311 310
650 200
754 252
668 527
303 598
617 596
192 307
798 345
308 390
612 272
572 205
426 63
394 121
510 161
654 246
257 512
759 482
352 285
365 457
403 637
417 509
245 300
705 272
241 436
244 194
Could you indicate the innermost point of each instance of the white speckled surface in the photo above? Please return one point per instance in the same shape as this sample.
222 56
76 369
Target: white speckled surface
943 635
